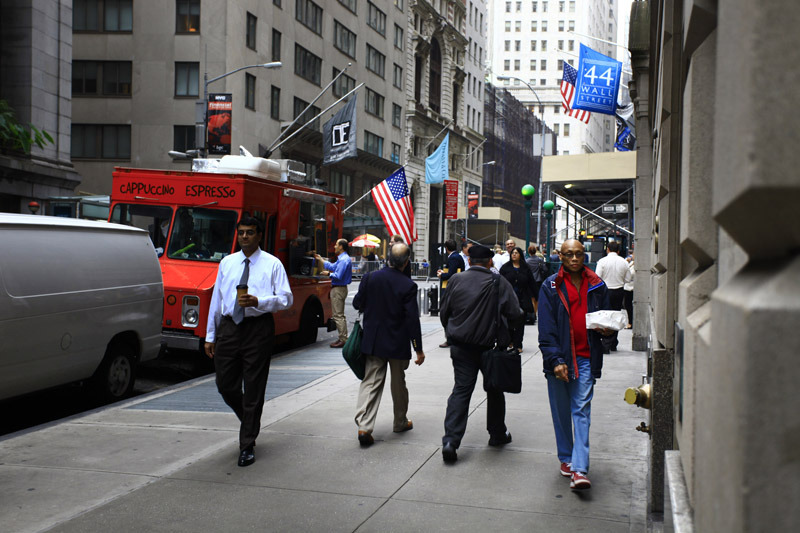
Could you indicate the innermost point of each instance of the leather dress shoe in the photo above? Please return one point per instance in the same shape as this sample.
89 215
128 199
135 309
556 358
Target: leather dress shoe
500 440
445 344
449 453
365 439
247 457
407 426
337 344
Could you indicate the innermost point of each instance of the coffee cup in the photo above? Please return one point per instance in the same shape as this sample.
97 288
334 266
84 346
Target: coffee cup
241 290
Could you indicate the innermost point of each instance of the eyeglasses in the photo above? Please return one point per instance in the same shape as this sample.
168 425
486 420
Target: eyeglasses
243 232
570 255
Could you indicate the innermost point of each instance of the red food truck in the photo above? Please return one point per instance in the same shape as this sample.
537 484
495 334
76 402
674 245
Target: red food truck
192 216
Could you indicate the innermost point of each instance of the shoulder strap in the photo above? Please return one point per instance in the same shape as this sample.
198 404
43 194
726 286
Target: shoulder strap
496 286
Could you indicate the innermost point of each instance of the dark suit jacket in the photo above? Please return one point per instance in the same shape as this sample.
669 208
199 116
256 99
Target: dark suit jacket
388 300
455 264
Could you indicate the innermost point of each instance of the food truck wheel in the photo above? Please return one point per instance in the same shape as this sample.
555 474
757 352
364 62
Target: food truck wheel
307 333
116 375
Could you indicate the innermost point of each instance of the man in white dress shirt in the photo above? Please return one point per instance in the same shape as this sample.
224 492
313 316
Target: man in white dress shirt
240 329
613 270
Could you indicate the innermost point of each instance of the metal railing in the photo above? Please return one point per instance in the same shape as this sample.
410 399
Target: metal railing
418 270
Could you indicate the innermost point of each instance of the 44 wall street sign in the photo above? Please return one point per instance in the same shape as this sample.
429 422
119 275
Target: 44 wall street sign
598 82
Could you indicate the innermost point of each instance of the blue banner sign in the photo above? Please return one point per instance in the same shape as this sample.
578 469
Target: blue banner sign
598 82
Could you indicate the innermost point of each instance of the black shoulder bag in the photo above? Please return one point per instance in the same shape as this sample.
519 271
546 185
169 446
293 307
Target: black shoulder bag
501 367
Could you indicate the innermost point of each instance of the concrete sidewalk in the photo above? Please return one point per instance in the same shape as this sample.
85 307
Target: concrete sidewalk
167 461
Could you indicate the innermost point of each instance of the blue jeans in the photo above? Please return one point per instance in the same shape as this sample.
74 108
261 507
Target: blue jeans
571 406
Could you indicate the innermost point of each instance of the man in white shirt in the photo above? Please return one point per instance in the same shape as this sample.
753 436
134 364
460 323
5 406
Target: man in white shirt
613 270
240 328
465 245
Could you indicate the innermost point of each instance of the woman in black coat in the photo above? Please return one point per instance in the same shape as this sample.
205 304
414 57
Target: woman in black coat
518 273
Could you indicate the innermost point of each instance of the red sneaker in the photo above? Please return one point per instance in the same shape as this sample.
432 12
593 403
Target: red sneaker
580 481
566 470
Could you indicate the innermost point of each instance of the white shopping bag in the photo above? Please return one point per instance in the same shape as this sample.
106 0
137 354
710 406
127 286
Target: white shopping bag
616 320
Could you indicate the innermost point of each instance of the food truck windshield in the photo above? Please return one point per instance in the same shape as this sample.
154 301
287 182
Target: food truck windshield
197 233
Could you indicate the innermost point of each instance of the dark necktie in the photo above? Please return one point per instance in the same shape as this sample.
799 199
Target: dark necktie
238 310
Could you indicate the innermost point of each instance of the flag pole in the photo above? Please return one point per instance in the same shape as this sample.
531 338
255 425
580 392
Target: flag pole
354 203
434 137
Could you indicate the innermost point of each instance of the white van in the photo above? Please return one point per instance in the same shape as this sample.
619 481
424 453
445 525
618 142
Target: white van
79 300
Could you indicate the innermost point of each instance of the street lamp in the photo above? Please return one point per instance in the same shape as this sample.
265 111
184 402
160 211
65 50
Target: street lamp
541 163
548 210
527 193
207 82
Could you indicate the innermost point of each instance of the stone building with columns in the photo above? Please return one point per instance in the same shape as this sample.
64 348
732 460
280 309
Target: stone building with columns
717 263
434 107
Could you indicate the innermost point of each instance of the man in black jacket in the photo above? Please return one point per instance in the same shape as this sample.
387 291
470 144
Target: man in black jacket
455 264
468 315
388 300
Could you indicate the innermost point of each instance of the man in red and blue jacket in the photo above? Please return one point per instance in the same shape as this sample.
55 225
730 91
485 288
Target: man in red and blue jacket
572 355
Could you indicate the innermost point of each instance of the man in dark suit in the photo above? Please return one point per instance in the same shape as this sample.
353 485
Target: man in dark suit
388 300
455 264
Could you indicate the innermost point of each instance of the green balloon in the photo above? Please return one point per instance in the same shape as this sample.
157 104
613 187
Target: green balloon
548 205
528 190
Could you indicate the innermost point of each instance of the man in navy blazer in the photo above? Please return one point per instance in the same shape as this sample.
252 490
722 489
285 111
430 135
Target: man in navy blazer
388 300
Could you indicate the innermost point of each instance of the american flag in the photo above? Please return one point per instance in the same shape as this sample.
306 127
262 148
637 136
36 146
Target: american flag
394 203
568 94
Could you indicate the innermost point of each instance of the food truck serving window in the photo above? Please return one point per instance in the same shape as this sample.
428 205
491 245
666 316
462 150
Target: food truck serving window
155 219
201 234
311 239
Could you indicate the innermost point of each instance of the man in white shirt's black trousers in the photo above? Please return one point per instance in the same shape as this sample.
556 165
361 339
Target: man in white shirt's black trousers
240 329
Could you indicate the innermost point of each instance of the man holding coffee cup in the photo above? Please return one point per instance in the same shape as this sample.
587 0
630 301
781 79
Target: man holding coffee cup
251 285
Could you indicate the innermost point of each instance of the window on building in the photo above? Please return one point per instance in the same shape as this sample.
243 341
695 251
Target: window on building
572 26
435 77
373 143
506 64
516 65
108 15
544 7
533 45
277 3
309 15
544 25
561 45
398 4
517 46
187 79
376 61
340 183
571 46
275 103
508 7
508 25
298 107
307 65
250 91
534 25
560 25
250 34
397 116
183 138
533 64
519 7
542 81
349 4
534 6
117 15
276 45
556 128
544 46
518 26
101 141
556 109
343 85
561 7
572 6
397 78
560 65
399 37
343 39
395 153
187 16
566 130
373 103
508 46
376 19
106 78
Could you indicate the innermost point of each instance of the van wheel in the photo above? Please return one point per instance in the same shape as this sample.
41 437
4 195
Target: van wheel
307 334
116 375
